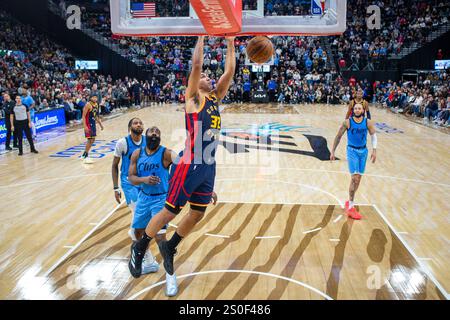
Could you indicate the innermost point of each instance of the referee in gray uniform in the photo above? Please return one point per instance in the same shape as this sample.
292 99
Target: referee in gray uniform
20 122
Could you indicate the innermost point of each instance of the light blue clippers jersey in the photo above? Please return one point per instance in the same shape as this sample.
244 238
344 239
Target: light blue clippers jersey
357 133
153 165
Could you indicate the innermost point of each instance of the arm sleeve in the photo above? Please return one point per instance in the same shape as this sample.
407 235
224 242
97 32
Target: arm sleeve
121 148
374 139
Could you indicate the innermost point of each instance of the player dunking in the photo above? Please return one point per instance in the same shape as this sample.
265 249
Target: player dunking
357 127
192 178
358 100
123 151
90 117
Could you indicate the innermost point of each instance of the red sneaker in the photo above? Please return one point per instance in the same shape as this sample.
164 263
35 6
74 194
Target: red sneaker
347 205
354 214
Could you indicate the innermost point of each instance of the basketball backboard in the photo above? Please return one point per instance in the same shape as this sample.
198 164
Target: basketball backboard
178 18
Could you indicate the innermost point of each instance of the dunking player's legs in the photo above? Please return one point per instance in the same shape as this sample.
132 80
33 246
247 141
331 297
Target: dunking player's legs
188 222
140 233
160 220
167 248
156 224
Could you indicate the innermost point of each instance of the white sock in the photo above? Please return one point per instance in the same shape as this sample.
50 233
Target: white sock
350 204
149 258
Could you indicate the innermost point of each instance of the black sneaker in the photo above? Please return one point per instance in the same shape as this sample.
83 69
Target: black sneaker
34 151
167 255
8 148
135 264
20 154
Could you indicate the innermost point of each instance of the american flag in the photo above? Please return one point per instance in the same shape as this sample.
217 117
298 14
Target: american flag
143 10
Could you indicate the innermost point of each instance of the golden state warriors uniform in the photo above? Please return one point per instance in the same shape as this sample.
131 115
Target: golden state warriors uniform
365 105
91 131
192 178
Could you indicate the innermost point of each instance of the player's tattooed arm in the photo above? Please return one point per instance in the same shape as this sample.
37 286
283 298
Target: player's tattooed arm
341 132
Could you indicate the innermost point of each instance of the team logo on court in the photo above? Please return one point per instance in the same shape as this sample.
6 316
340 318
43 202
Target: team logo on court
272 136
100 149
384 127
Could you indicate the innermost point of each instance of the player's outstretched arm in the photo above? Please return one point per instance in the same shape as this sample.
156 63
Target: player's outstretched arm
230 66
339 135
197 65
374 139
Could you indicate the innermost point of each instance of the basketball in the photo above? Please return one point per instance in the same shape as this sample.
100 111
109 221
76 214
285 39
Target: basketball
260 49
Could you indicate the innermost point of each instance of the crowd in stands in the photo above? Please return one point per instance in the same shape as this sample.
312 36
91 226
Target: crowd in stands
36 66
301 73
427 98
403 23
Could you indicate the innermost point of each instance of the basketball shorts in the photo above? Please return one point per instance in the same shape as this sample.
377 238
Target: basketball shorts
193 183
146 208
91 131
357 159
130 191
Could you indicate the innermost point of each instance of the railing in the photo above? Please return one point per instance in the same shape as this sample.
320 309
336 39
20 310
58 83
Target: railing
433 35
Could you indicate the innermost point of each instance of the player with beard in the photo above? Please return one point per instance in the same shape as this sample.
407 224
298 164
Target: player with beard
123 151
149 169
357 127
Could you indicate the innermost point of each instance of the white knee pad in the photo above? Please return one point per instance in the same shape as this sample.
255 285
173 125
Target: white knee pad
162 231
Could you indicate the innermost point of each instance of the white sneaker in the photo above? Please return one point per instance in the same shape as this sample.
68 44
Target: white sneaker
149 264
88 160
132 235
171 285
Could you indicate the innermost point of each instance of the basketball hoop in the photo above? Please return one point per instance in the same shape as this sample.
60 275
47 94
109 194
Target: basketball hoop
254 22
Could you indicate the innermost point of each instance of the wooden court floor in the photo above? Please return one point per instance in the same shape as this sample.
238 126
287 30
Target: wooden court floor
278 231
